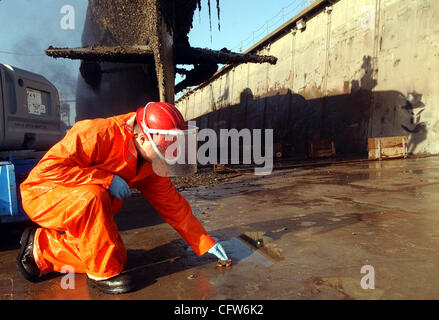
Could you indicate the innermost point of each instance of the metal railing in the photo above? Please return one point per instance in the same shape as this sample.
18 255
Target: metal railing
274 22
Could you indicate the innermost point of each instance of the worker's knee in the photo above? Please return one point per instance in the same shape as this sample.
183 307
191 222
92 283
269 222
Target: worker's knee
93 193
88 202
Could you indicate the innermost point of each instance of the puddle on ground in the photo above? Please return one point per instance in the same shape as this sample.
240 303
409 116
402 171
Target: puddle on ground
239 251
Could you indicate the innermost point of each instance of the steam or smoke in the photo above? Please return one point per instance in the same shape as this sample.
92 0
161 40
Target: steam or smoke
62 73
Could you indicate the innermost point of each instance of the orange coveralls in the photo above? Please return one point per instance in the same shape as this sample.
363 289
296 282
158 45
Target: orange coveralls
67 191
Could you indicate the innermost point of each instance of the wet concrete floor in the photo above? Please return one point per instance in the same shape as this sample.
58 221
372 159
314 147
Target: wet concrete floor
303 233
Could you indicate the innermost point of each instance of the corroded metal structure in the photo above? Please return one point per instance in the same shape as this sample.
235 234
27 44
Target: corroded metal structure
130 52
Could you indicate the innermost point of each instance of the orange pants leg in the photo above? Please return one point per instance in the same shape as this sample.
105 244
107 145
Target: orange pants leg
91 242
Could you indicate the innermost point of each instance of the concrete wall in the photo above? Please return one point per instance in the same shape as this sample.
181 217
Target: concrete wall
366 68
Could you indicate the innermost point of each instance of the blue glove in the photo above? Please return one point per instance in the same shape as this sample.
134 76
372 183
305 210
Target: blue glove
219 251
119 188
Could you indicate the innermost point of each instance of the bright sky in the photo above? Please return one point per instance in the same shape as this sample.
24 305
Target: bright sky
238 19
28 27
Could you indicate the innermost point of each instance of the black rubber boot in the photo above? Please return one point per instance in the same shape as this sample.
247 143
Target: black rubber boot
25 260
121 283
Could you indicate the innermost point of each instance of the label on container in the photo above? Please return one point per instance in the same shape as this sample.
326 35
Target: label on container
34 102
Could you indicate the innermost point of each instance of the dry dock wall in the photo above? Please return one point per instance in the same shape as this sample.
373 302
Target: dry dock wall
360 69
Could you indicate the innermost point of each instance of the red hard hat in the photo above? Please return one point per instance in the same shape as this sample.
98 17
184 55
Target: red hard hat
161 116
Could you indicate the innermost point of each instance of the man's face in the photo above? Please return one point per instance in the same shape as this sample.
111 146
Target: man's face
147 152
144 147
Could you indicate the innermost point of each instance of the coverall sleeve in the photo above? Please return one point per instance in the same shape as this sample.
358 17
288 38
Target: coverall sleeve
176 211
74 161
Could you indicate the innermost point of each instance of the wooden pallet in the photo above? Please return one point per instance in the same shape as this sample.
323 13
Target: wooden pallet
321 149
387 147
